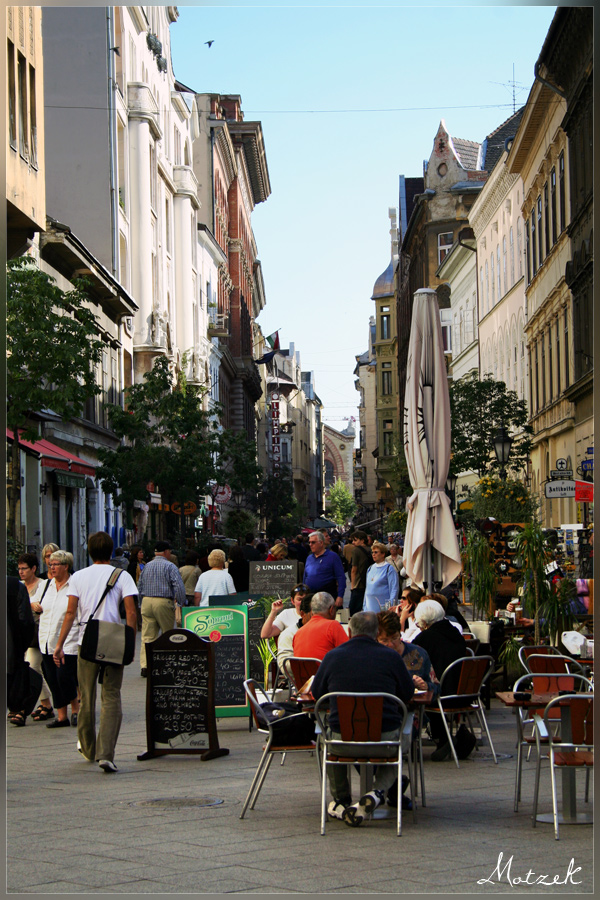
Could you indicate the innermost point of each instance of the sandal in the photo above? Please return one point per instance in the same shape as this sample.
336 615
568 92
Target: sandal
42 713
17 719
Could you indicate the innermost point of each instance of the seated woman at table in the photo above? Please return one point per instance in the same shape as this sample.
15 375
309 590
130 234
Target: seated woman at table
444 644
443 601
419 667
406 611
281 621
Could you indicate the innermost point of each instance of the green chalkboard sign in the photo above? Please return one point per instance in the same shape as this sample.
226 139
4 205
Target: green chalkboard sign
227 629
275 578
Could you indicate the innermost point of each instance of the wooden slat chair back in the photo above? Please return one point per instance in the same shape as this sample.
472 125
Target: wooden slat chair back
298 669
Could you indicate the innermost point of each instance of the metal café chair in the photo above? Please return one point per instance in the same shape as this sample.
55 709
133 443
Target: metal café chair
567 752
536 649
540 683
256 696
473 673
360 716
554 663
298 669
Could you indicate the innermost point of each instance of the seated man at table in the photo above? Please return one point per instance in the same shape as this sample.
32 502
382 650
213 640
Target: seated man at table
322 633
361 665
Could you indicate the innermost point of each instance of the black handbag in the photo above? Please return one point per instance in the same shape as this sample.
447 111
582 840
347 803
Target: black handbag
108 643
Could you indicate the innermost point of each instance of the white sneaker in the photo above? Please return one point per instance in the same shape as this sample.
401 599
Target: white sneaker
107 765
356 814
80 750
336 810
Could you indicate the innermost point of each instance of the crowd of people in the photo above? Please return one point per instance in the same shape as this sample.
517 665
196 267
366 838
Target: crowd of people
50 610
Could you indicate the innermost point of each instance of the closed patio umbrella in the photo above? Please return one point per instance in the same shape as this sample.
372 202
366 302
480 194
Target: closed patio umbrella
431 551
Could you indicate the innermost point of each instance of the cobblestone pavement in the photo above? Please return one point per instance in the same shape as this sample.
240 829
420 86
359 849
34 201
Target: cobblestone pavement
151 827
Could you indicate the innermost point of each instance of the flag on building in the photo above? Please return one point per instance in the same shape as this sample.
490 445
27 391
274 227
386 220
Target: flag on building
273 340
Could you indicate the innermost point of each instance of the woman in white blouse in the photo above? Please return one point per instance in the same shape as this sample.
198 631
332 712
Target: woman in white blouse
61 679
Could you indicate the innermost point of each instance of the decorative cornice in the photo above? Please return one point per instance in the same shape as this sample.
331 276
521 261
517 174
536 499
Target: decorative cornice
142 105
225 148
490 200
186 184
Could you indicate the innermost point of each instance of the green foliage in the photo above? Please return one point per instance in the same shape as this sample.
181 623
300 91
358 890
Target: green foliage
239 522
531 548
478 408
396 521
398 471
283 513
481 574
555 610
14 549
341 502
168 438
505 501
52 349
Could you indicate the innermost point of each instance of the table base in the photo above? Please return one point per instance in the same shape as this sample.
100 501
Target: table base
579 819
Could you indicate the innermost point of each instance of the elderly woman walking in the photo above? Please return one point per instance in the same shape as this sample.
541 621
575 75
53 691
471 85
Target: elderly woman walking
382 582
62 679
217 581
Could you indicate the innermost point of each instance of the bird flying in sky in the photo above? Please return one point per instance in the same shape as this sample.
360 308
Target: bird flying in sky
210 43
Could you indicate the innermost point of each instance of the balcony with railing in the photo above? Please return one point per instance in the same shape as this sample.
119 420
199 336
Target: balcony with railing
218 324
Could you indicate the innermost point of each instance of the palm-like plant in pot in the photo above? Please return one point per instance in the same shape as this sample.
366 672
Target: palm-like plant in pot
534 556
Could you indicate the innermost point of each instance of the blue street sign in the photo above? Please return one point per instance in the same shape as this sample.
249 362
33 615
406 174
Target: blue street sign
587 465
590 451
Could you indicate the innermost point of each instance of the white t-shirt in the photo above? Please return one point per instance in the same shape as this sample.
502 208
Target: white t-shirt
88 586
213 583
51 620
287 618
285 643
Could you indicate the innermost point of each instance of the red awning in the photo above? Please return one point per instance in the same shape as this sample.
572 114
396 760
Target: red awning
54 457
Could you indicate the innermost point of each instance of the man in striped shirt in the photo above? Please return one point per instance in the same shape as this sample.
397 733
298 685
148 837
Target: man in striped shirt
160 587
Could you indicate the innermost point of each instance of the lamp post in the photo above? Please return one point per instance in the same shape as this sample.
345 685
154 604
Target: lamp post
502 443
451 488
381 512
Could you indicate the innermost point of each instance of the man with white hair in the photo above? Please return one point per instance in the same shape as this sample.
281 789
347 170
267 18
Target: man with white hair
323 569
321 633
362 665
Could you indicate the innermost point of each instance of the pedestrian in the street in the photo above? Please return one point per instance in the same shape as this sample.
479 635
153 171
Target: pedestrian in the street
28 568
62 679
382 581
360 561
47 551
323 570
161 588
217 581
85 591
119 560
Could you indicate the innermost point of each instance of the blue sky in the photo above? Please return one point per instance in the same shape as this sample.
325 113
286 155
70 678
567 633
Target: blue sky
349 98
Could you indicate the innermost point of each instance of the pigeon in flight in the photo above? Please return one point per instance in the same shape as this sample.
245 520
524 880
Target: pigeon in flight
210 43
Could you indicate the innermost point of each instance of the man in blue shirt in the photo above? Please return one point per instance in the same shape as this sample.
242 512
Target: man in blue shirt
323 570
161 588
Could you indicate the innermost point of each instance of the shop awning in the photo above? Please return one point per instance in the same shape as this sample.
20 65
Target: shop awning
54 457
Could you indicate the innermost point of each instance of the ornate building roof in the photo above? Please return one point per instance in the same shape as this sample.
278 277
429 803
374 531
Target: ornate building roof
384 286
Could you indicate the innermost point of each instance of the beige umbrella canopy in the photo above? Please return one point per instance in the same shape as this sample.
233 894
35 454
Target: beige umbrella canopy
431 552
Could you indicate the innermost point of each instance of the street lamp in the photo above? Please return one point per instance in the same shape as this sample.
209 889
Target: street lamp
502 443
238 498
451 488
381 512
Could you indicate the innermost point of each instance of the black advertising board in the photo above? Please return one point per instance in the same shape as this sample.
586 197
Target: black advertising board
180 697
275 578
256 621
230 671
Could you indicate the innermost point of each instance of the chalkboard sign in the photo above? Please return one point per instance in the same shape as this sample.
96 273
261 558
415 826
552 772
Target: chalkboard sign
230 670
273 579
180 704
257 668
227 629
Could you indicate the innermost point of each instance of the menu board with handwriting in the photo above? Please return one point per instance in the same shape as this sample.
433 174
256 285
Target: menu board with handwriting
180 696
227 629
275 578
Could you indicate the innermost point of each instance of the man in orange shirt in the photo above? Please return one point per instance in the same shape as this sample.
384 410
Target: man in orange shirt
321 633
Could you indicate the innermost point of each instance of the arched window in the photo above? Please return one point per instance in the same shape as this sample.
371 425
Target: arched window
329 475
504 265
487 287
493 280
519 248
501 359
512 257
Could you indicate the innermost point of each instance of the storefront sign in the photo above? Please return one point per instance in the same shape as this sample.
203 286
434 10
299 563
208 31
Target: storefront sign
67 479
275 448
189 508
584 491
559 489
223 494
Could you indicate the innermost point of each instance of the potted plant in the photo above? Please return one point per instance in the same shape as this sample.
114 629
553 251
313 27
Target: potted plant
556 611
534 556
265 646
482 577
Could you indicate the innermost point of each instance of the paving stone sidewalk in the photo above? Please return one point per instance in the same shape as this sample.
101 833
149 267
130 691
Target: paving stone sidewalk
73 829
